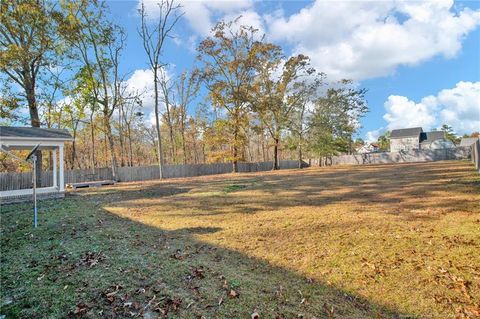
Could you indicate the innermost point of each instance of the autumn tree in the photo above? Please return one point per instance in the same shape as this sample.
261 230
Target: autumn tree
74 113
281 97
229 58
450 134
30 43
154 38
99 44
384 142
336 118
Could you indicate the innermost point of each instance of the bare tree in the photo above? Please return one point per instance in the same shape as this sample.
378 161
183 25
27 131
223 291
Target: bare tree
129 113
153 41
187 87
168 101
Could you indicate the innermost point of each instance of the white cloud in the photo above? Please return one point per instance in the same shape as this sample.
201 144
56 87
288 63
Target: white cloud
247 18
402 113
203 14
372 136
141 82
348 39
458 107
461 107
367 39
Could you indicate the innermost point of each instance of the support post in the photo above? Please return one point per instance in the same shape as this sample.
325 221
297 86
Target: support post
55 177
34 176
61 163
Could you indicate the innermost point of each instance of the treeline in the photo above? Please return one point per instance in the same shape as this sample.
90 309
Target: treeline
244 100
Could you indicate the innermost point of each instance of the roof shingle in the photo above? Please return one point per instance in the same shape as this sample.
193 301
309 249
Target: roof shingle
34 132
406 132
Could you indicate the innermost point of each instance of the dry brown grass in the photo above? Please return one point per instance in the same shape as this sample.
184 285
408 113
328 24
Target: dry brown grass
386 240
403 236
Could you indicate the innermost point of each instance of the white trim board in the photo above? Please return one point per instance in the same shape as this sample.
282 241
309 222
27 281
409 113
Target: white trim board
29 191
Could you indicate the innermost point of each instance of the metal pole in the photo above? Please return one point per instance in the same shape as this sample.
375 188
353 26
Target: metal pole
34 158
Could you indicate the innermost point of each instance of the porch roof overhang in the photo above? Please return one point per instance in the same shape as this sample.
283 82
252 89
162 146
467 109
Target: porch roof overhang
24 138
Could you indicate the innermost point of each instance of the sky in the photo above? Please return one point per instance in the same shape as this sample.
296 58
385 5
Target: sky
419 61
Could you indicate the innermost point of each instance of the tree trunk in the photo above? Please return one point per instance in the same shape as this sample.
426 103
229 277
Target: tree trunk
350 150
184 147
257 156
276 141
263 149
235 151
300 138
157 124
300 159
74 154
92 137
105 148
35 121
235 161
111 144
130 145
172 141
121 137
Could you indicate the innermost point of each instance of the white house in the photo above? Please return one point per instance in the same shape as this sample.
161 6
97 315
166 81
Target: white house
25 138
368 148
415 138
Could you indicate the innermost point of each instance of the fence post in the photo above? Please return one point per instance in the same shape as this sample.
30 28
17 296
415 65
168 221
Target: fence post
476 151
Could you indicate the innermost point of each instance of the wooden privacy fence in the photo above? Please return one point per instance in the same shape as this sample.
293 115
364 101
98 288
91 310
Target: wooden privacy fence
14 181
475 151
398 157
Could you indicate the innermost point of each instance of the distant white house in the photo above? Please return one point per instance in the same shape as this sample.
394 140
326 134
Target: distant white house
415 139
368 148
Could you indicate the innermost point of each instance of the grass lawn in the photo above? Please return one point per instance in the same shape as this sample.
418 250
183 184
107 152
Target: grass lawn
380 241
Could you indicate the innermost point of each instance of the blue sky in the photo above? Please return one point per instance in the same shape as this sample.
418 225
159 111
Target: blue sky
419 61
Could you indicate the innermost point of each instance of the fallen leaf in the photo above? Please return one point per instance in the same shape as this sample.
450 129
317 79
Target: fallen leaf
90 259
197 273
178 255
328 310
233 293
80 309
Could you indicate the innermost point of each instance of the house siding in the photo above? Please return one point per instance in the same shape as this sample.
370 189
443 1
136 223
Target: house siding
404 144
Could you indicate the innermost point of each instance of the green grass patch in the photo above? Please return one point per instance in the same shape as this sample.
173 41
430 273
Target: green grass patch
327 243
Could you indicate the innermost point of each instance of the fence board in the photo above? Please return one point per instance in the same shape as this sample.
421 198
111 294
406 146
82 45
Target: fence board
475 150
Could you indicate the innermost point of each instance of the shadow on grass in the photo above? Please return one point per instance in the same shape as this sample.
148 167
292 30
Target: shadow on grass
85 262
